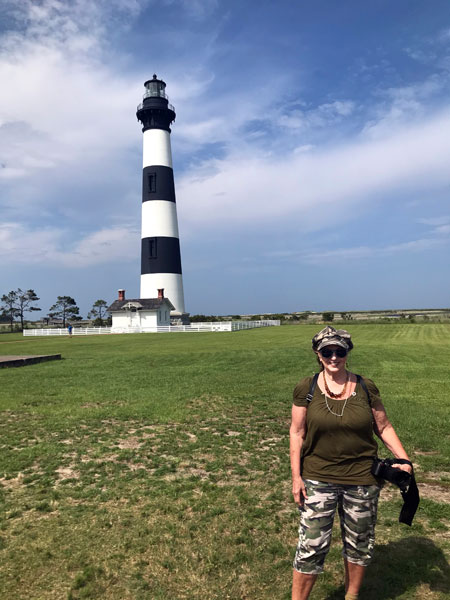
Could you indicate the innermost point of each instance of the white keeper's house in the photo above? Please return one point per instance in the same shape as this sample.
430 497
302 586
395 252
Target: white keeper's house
145 313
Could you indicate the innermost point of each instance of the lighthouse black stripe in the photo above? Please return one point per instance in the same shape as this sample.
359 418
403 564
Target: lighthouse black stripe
157 184
160 255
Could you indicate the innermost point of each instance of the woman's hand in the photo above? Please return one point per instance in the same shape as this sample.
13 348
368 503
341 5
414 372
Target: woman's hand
299 490
406 468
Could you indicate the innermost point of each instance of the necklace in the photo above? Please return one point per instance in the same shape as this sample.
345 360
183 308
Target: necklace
332 411
332 394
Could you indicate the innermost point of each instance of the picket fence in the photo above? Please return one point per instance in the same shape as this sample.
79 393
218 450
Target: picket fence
194 327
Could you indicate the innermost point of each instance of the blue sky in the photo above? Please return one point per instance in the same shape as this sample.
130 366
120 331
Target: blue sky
311 150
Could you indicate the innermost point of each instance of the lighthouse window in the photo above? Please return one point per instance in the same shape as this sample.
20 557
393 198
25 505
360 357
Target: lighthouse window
151 183
152 247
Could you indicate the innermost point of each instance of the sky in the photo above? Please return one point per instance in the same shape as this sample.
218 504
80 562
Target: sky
311 150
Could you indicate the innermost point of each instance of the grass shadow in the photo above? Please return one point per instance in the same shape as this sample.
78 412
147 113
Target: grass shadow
403 566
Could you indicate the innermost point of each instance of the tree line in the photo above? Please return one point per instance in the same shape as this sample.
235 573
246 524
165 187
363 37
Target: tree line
16 303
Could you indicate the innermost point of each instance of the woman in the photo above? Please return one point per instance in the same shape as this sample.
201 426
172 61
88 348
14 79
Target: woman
332 448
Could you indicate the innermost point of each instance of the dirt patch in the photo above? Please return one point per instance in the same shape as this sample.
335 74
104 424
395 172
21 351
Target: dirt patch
272 440
434 492
211 402
137 466
104 459
67 473
204 457
12 484
443 477
388 492
131 443
423 592
182 474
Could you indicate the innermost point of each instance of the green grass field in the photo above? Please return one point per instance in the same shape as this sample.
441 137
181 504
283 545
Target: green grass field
156 466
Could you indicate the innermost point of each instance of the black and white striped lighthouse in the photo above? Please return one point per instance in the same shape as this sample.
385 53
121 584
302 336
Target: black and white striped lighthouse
160 253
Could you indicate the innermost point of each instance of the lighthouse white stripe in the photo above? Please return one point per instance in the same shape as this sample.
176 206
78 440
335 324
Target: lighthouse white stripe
159 218
172 284
157 150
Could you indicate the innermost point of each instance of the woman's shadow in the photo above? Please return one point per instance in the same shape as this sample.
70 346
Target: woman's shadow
402 566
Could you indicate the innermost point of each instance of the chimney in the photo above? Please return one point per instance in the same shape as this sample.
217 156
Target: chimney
160 293
121 295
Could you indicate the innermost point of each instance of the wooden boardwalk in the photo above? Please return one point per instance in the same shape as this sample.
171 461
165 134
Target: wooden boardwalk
31 359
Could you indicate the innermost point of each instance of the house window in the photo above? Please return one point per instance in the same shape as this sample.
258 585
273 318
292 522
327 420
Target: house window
152 250
151 183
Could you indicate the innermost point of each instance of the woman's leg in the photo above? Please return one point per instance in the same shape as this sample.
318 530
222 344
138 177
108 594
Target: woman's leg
316 524
302 584
354 575
358 513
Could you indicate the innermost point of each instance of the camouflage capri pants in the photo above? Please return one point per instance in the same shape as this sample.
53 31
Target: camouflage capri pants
357 507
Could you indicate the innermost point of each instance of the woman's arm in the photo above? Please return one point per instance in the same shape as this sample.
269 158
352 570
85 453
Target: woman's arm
297 435
384 430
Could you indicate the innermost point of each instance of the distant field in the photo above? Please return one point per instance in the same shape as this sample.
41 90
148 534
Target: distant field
156 466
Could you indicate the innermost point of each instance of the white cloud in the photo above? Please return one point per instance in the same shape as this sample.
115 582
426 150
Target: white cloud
48 247
323 115
311 190
429 49
20 245
358 253
421 55
443 229
444 36
118 244
62 103
404 106
435 221
67 104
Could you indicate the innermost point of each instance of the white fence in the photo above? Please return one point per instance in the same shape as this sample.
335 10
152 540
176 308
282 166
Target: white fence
194 327
237 325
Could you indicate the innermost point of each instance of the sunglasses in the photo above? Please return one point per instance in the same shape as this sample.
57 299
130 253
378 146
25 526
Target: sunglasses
328 352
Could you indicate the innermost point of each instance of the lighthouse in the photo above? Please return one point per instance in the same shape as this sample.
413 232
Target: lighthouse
160 243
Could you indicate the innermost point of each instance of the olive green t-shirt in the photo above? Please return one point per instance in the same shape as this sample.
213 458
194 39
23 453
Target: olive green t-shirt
338 449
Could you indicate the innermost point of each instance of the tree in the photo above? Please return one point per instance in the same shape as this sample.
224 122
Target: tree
9 307
23 303
17 303
328 316
64 308
98 312
203 318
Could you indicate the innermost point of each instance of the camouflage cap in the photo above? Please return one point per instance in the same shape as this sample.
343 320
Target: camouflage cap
331 336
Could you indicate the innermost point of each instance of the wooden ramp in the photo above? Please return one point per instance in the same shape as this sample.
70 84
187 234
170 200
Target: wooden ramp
31 359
